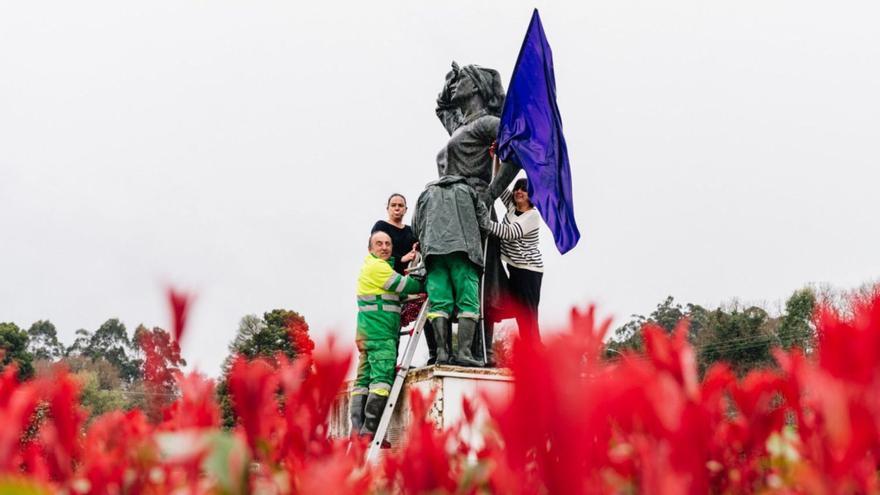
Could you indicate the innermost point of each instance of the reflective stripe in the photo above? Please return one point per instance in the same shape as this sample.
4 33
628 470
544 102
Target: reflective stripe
382 389
401 285
360 391
366 298
390 282
370 308
470 316
390 297
437 314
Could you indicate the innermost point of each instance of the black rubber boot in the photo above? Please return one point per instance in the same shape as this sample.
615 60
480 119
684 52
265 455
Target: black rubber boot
442 335
432 343
467 329
373 413
356 411
487 335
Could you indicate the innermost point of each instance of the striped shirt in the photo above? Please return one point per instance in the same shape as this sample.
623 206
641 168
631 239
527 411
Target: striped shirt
519 236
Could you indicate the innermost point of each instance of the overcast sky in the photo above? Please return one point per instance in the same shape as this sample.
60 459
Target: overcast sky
243 150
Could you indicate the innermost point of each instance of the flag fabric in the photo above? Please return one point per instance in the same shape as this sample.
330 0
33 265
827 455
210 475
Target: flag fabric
530 135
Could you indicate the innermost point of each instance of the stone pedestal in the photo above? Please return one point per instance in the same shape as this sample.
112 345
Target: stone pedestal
449 384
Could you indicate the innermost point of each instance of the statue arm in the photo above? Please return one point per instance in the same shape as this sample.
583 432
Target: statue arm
484 221
506 173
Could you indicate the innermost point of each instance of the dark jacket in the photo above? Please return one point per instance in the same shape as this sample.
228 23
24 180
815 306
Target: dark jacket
448 219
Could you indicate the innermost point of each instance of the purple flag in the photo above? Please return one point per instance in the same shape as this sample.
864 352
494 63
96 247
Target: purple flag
530 135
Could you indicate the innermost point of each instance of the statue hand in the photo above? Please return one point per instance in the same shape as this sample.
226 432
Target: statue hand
485 198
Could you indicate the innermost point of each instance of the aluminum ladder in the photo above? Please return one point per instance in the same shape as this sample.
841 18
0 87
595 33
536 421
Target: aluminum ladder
403 369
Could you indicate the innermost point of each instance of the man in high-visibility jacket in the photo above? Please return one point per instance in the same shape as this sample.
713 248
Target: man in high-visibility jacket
378 331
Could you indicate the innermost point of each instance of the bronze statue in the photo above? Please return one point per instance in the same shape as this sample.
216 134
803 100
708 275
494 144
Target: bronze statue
447 218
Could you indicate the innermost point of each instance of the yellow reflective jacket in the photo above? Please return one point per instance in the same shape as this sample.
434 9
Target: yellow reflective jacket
378 298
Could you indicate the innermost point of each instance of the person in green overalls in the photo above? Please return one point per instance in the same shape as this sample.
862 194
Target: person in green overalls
378 329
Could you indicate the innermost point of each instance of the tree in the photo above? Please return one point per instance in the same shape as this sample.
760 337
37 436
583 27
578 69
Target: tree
102 387
110 341
741 338
104 371
80 344
629 336
14 349
98 399
796 328
279 331
44 344
268 336
160 364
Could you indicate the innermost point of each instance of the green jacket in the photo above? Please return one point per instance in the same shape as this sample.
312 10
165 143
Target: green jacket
378 298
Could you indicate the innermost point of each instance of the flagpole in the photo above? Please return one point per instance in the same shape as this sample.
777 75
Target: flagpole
483 278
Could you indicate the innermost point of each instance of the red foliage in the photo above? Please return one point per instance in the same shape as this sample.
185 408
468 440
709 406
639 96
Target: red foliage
252 386
299 335
196 407
180 303
838 402
425 463
116 443
17 405
573 424
61 435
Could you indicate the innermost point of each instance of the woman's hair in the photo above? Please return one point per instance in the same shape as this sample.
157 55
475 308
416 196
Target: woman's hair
524 185
388 203
488 85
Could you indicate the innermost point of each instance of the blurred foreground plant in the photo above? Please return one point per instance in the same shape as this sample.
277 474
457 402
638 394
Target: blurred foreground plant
575 423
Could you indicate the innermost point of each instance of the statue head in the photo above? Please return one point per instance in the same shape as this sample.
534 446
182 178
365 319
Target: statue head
467 86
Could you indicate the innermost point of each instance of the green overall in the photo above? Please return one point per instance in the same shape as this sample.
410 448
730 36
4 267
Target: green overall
453 282
378 324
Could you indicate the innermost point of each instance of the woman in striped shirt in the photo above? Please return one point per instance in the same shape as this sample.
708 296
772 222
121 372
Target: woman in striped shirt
518 232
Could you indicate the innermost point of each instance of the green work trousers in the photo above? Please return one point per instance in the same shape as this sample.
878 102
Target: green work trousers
377 359
453 282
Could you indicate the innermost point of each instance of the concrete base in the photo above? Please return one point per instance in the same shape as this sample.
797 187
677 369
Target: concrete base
449 384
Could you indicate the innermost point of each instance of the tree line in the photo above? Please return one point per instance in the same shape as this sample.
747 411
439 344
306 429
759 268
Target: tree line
119 370
741 335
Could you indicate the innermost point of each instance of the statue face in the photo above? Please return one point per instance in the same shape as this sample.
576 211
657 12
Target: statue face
462 87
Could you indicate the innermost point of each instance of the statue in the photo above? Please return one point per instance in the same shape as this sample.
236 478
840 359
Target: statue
447 217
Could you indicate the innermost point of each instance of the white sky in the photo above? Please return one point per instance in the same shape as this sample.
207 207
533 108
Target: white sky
243 150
